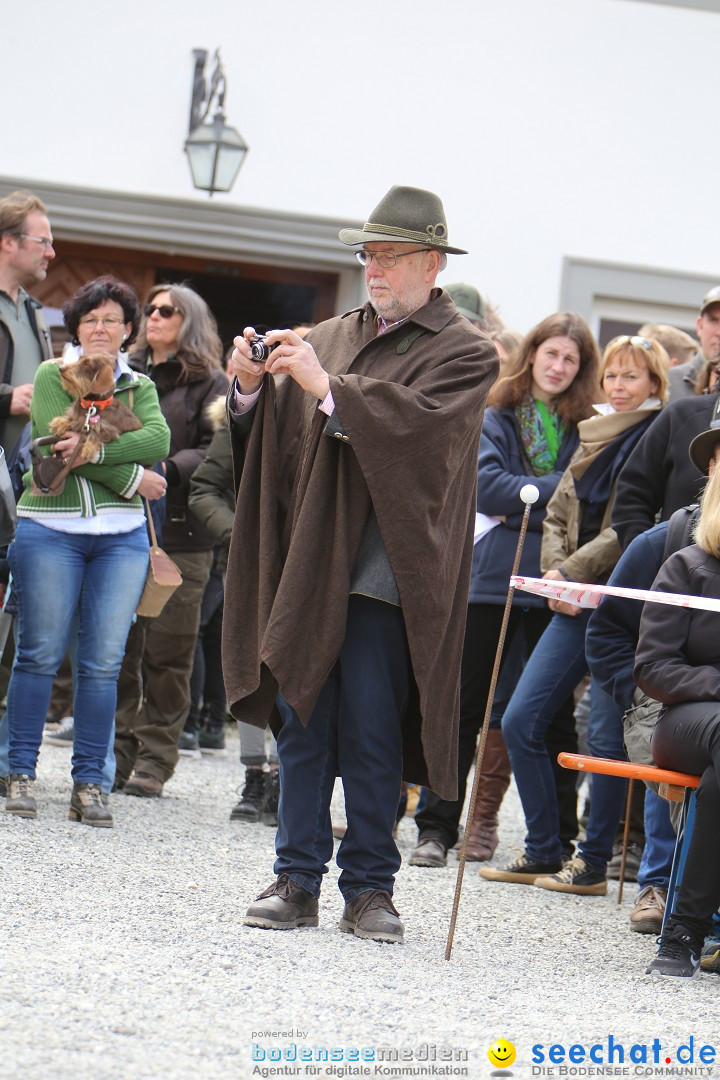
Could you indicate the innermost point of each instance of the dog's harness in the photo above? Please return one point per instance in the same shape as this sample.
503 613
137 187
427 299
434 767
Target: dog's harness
95 404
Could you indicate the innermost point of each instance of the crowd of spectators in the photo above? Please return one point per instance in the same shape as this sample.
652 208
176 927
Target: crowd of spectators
619 444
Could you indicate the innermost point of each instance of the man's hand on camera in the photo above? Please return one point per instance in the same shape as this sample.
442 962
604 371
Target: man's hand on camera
289 354
248 374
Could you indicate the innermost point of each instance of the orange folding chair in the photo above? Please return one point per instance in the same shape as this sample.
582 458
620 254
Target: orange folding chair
674 786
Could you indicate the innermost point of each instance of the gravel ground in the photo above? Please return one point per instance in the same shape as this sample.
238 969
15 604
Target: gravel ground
125 955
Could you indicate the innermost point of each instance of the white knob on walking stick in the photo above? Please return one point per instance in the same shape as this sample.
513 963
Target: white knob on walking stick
529 494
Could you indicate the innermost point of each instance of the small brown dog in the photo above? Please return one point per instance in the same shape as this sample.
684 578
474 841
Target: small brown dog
95 413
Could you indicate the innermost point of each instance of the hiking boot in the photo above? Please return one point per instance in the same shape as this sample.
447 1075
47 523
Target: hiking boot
632 862
271 798
212 741
88 805
678 955
144 785
251 799
63 735
430 851
576 876
373 915
20 799
649 911
523 871
284 906
710 959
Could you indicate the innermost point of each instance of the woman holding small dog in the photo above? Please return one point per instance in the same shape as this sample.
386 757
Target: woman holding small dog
84 552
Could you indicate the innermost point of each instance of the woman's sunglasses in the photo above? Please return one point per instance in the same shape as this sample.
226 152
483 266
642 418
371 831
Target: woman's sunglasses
165 311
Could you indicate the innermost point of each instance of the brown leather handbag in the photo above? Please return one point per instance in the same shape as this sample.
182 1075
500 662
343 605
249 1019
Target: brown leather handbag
163 576
49 471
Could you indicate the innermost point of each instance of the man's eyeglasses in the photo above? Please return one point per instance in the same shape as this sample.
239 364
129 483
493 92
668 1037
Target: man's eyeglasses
92 321
165 311
385 259
43 241
628 339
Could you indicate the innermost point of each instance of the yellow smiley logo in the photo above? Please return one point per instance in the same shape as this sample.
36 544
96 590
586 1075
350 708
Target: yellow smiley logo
501 1053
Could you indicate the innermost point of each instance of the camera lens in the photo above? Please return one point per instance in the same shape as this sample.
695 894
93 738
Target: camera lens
259 351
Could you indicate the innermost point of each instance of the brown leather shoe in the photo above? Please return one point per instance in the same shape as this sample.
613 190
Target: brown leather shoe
88 806
430 851
373 915
284 906
144 785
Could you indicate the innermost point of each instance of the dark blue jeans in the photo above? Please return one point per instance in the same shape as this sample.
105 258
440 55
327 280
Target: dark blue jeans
355 732
56 574
556 666
657 856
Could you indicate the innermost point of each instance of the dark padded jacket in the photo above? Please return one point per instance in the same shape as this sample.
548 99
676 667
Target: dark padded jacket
678 654
659 477
184 406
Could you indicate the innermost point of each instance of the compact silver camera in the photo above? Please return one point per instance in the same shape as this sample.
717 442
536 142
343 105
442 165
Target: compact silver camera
259 350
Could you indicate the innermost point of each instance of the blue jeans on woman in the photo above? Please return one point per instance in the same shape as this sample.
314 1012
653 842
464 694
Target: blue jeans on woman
55 575
109 765
555 668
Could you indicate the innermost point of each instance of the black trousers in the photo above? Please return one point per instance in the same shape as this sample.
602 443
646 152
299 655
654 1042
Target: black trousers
439 817
687 738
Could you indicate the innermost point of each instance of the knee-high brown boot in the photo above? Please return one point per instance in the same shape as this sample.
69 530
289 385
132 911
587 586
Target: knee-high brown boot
494 782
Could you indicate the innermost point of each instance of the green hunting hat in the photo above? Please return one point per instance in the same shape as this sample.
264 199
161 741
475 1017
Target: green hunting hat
406 215
469 301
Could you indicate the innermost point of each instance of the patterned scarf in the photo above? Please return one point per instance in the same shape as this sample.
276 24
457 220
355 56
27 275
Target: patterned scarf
542 433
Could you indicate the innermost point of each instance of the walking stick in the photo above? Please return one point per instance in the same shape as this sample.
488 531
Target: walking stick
529 495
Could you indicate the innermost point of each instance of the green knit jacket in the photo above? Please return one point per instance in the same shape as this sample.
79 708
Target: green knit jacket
100 487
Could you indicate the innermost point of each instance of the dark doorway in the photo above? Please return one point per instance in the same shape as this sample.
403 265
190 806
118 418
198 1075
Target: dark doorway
237 301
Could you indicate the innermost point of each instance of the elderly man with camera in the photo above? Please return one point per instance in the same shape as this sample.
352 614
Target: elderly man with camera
355 455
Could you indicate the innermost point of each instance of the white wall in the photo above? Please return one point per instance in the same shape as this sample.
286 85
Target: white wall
549 127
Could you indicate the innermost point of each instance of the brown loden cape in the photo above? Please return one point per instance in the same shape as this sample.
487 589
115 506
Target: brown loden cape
411 402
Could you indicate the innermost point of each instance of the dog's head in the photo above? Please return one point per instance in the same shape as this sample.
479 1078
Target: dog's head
92 374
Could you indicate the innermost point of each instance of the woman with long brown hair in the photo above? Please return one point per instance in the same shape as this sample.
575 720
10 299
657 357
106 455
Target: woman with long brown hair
579 544
529 433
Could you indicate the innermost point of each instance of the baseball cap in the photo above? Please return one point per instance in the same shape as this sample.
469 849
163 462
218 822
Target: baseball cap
713 297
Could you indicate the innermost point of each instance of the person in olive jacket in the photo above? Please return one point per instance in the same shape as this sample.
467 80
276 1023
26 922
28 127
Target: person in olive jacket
212 501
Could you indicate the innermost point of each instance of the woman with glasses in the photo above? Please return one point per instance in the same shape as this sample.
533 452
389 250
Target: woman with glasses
529 434
180 350
579 545
80 558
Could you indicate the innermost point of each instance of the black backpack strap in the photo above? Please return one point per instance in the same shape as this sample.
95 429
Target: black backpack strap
680 529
